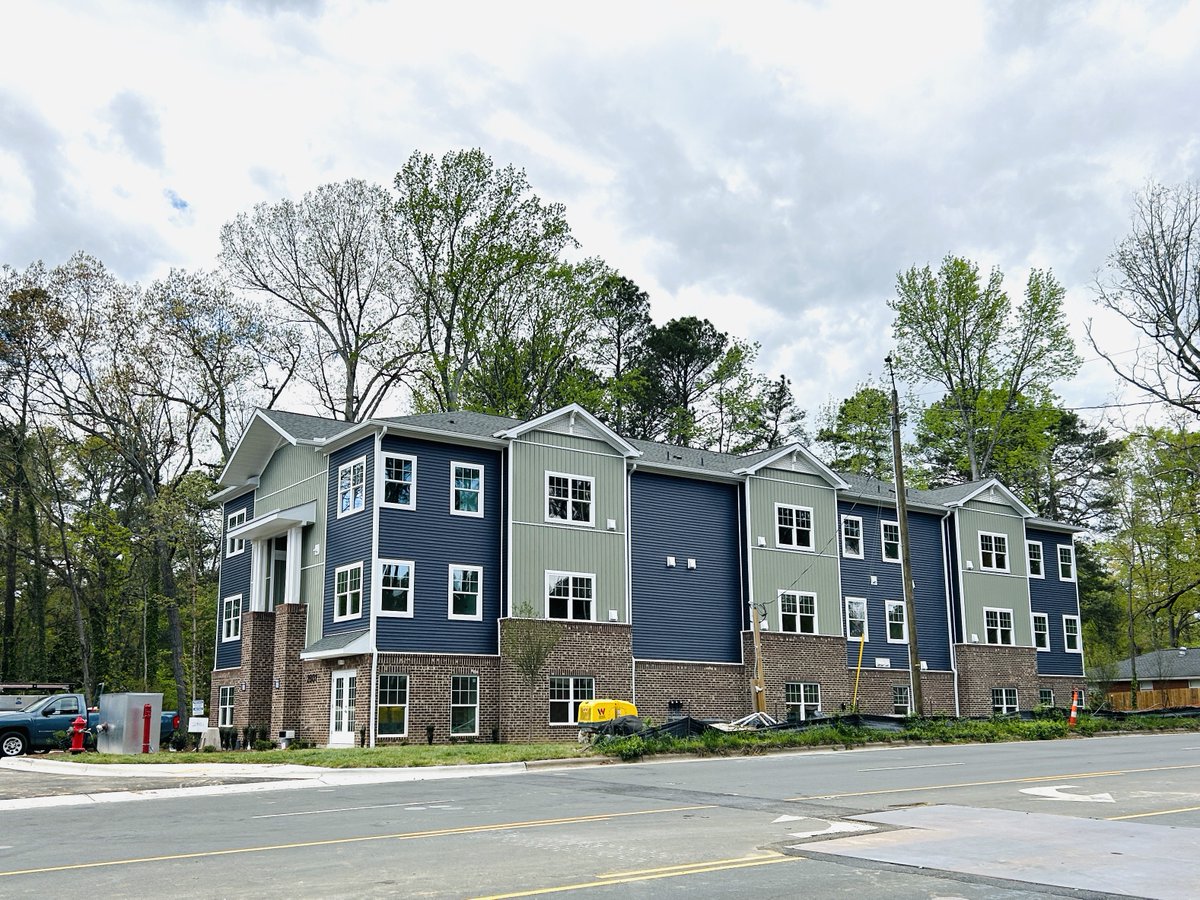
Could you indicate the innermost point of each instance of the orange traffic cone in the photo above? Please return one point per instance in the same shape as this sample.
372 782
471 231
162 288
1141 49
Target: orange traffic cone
1074 709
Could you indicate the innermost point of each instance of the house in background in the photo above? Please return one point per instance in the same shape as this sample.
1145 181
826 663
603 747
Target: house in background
1165 678
371 570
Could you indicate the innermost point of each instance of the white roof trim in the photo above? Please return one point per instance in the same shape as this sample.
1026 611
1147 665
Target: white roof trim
259 416
573 409
799 449
276 522
993 484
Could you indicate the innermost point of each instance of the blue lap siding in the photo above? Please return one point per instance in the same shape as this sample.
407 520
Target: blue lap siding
235 579
1055 598
349 539
433 539
681 613
929 596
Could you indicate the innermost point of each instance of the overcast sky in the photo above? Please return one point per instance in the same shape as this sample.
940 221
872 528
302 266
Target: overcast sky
770 165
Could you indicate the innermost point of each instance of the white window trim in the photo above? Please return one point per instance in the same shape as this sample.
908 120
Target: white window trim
378 591
590 479
812 530
571 702
450 614
482 474
349 615
554 574
866 635
1033 620
1041 558
341 514
1058 558
232 521
234 600
1016 701
407 704
383 480
799 594
450 729
908 707
888 606
861 537
803 704
1049 691
1078 634
223 707
1007 552
883 542
1012 626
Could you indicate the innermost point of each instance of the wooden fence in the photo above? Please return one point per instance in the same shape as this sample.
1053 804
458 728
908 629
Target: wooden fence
1156 699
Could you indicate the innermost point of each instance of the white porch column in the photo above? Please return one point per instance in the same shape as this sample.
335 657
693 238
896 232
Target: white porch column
291 580
258 572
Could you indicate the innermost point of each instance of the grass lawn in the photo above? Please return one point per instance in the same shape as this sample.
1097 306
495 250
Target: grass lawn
365 758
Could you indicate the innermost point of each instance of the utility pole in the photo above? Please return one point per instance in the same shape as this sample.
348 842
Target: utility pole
758 683
910 607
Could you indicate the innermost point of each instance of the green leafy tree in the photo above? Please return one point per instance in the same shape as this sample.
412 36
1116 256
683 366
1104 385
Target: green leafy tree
682 360
622 326
856 433
526 643
954 330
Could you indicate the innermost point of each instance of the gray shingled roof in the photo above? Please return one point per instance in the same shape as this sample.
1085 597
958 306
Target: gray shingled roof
868 488
305 427
335 641
1163 664
687 457
472 423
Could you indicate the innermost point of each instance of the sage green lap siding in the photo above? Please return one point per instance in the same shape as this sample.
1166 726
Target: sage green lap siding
772 569
993 589
294 476
539 546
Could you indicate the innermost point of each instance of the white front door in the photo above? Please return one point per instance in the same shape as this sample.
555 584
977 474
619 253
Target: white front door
341 708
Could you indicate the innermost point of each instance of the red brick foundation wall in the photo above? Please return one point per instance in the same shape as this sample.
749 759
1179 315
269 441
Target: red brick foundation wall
703 690
601 651
875 691
1063 685
258 664
982 667
314 703
241 706
287 683
429 693
801 657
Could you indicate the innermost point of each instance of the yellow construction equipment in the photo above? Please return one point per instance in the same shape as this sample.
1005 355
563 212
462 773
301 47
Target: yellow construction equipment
592 711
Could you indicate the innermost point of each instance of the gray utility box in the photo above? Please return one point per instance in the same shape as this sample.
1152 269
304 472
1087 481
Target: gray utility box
124 726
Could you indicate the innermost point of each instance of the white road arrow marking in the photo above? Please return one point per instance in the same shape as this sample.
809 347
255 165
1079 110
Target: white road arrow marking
1056 793
787 819
835 828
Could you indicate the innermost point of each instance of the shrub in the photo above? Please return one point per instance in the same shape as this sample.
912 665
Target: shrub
264 745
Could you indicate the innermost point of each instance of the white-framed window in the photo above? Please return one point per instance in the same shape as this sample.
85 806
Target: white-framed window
466 592
793 527
1004 700
852 537
889 535
396 587
352 487
1045 697
803 700
225 706
1066 562
1071 634
1082 698
234 546
998 626
1194 684
570 595
399 481
566 693
569 498
993 552
392 708
897 622
856 619
466 489
1033 549
347 592
797 612
231 618
464 705
901 700
1041 631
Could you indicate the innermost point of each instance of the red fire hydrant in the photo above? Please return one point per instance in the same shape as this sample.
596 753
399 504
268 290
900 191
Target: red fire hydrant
78 728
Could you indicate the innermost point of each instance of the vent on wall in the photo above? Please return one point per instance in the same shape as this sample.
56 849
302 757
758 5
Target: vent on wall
762 541
670 562
691 564
882 662
612 615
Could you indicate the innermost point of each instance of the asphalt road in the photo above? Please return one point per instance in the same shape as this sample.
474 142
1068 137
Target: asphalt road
1098 817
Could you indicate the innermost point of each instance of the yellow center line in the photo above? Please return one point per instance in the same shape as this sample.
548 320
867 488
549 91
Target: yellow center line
963 784
1164 812
707 862
401 836
651 875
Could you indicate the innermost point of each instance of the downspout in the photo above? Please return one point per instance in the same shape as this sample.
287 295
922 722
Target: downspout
949 611
629 578
375 587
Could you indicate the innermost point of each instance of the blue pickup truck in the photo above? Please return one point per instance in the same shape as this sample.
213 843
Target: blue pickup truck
37 728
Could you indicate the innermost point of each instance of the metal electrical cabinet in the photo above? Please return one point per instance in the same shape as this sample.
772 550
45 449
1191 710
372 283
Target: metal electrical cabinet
129 723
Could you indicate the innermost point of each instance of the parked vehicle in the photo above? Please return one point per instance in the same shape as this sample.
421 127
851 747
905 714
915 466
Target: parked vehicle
37 728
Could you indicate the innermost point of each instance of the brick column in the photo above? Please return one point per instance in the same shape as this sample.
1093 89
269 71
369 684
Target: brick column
291 621
258 664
